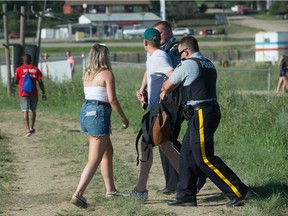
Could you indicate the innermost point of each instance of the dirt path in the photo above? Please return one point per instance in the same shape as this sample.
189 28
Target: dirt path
42 187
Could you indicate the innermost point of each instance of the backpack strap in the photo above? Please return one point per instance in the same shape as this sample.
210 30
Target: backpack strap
146 134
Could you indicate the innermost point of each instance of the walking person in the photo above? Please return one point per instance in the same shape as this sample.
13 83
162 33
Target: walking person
283 80
29 100
71 60
196 78
95 121
158 67
169 44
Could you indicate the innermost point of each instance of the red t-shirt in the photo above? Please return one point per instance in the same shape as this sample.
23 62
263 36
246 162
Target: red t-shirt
34 73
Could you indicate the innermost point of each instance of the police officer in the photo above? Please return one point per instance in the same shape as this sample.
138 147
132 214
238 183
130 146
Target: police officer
169 44
196 78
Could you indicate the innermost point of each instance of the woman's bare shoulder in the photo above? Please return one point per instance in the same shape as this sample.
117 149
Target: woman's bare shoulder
107 73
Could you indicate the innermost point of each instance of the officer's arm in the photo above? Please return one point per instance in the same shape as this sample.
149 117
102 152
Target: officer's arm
167 87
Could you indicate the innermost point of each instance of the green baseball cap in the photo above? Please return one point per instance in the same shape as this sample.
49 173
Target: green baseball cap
152 34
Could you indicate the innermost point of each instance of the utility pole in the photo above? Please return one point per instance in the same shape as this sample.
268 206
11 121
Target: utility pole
162 10
40 17
22 30
6 45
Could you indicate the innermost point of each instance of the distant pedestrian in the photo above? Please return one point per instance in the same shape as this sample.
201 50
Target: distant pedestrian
283 80
46 62
29 101
71 60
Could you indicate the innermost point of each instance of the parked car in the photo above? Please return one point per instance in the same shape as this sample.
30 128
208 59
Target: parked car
241 9
134 33
13 35
182 32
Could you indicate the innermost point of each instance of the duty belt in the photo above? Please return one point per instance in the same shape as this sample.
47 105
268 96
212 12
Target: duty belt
204 104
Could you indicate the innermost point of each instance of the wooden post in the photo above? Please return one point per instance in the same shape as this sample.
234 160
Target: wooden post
22 30
6 45
40 17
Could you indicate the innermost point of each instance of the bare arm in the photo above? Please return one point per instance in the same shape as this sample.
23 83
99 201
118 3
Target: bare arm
168 74
110 86
42 87
167 87
16 80
143 86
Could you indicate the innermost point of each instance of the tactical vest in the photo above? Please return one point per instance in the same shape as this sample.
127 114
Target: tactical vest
204 87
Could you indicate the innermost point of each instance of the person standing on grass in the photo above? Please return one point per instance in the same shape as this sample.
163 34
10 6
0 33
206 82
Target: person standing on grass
170 46
196 78
95 121
29 101
283 80
71 60
158 67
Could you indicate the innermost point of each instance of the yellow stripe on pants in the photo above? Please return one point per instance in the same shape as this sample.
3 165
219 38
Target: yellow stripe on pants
206 161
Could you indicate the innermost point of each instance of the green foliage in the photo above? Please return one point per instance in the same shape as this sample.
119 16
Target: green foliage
177 10
279 7
203 8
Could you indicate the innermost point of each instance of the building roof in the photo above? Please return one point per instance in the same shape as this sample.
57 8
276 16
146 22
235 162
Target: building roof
121 17
108 2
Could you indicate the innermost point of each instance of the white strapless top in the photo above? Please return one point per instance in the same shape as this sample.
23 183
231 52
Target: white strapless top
96 93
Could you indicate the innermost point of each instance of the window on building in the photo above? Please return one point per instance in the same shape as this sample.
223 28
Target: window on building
117 8
78 8
128 8
138 8
100 9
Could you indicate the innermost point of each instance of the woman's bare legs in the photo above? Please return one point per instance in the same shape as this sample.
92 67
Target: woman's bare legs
145 167
281 79
97 148
107 167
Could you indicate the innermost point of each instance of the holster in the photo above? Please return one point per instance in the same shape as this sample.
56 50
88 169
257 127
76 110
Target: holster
186 111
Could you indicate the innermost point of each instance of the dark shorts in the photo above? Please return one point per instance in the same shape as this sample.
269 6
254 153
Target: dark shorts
29 103
95 118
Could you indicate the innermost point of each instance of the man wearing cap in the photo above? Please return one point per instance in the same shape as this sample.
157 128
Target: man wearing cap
158 68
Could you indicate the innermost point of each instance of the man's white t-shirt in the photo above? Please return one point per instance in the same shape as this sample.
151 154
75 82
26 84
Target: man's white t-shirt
157 65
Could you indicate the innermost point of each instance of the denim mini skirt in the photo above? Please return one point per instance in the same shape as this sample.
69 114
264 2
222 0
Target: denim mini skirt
95 118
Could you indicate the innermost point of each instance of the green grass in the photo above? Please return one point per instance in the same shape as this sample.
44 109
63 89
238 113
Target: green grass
251 139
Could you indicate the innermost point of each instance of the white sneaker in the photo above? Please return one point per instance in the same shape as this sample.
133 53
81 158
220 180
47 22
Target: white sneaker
143 196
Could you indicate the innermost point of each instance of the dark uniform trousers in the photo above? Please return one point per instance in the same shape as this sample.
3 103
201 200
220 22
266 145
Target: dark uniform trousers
197 156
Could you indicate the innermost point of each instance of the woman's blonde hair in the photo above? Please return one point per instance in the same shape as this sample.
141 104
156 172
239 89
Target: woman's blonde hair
99 60
281 60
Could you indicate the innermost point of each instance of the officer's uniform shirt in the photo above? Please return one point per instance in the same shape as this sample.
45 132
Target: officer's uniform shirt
186 72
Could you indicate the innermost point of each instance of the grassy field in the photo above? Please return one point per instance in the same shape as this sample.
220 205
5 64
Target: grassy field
252 136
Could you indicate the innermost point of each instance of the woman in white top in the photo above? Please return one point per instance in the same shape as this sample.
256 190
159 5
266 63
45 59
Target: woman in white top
100 99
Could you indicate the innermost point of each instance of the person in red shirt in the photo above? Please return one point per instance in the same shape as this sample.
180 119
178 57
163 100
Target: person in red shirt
29 101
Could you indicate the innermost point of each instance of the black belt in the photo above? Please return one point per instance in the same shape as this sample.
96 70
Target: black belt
97 102
204 104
